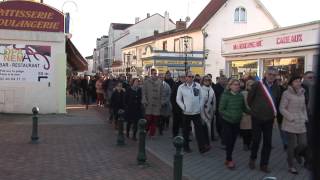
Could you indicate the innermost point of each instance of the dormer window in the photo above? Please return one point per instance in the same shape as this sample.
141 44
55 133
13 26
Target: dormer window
240 15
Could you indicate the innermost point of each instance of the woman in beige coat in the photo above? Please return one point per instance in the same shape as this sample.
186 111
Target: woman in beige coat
245 124
293 109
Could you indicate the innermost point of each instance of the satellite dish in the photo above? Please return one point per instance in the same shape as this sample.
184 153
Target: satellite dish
188 19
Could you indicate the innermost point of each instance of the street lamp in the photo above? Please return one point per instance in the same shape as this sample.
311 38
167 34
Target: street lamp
186 44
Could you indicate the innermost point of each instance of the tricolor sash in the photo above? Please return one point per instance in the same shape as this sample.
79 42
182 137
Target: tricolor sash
268 96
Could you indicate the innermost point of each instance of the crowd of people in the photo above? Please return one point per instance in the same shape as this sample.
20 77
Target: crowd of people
211 111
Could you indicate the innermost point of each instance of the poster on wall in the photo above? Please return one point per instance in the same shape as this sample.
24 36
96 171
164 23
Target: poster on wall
25 63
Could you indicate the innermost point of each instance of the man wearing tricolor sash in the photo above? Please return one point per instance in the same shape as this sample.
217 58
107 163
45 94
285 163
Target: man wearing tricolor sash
263 99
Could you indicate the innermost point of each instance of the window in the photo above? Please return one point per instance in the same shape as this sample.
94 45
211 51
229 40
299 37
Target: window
176 45
164 45
240 15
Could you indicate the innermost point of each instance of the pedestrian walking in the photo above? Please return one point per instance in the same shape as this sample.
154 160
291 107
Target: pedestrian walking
207 108
168 79
133 107
263 100
246 124
117 102
166 107
283 135
294 111
152 101
176 110
218 90
100 92
231 107
189 100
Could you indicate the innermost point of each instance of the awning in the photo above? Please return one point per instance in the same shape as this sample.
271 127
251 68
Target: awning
74 58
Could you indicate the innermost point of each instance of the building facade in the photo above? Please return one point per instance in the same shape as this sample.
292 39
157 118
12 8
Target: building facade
100 58
227 18
121 35
178 51
292 50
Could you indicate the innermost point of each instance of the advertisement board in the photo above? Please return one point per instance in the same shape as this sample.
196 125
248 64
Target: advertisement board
25 63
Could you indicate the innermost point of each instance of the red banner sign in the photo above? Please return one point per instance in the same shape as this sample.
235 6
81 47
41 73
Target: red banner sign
30 16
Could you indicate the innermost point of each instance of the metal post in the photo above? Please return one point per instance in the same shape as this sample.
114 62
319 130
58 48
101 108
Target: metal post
120 140
178 158
34 136
142 142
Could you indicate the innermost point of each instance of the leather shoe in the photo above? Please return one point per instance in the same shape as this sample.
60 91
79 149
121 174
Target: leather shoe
265 169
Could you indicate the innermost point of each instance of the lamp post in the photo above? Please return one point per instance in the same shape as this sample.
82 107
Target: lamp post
186 43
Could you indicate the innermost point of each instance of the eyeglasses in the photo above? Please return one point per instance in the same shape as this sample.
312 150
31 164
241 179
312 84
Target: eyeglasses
190 76
310 77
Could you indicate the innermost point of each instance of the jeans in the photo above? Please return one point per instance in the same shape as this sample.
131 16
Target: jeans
259 128
231 132
246 136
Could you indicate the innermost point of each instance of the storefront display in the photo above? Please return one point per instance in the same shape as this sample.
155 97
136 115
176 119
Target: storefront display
239 69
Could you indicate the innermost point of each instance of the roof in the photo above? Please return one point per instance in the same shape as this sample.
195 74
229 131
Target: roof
120 26
206 14
74 58
158 36
212 8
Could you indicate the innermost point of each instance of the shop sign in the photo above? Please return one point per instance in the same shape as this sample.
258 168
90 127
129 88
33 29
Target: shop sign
247 45
25 63
30 16
289 39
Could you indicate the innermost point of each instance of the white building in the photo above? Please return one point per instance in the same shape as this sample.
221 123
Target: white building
226 18
34 59
121 35
293 50
89 60
101 54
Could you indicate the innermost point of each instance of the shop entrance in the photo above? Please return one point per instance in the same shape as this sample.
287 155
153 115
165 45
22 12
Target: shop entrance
244 68
286 66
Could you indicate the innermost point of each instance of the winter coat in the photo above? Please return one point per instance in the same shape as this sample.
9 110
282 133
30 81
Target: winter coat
189 98
118 99
166 107
258 102
133 104
294 111
208 105
232 107
246 118
152 96
99 87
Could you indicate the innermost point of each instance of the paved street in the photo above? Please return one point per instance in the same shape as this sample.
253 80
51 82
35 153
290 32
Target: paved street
210 166
76 146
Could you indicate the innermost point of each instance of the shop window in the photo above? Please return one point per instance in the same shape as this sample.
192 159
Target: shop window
243 69
240 15
287 66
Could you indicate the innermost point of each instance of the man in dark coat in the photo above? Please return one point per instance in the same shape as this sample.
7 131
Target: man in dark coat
168 79
176 110
218 90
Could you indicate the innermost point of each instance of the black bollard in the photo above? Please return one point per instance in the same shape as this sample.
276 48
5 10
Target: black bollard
178 158
34 136
142 142
120 140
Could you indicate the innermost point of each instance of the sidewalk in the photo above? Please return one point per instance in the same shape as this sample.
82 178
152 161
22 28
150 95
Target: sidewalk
210 166
75 146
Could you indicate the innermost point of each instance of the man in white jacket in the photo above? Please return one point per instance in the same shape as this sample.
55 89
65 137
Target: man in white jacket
189 100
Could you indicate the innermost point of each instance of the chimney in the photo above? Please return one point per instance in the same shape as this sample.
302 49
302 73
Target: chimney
148 15
155 32
166 21
181 25
137 20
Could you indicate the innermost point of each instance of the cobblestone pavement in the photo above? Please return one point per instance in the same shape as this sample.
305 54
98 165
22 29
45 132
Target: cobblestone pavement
210 165
75 146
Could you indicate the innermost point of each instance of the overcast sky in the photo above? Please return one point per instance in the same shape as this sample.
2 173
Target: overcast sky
90 19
